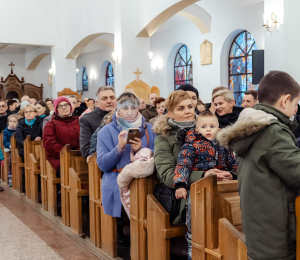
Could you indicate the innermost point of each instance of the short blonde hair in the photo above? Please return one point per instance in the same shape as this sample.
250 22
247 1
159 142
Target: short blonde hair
228 96
206 114
21 112
175 98
16 116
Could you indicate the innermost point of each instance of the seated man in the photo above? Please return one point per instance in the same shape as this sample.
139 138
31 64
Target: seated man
250 99
106 102
150 111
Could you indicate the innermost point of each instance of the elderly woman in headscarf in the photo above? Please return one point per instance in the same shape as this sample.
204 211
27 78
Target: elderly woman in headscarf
113 152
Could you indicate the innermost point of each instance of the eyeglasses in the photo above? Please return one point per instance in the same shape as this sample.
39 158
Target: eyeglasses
64 106
29 112
2 106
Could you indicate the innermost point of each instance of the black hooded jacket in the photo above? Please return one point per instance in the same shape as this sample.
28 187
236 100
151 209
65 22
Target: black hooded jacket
229 119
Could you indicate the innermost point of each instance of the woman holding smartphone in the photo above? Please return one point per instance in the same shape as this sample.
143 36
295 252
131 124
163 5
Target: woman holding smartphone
115 151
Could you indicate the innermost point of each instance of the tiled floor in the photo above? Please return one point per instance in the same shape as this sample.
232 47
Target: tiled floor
62 244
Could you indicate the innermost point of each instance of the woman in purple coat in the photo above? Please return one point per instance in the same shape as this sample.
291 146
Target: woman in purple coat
113 154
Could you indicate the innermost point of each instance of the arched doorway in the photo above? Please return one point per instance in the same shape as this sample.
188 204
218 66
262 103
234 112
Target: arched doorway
11 95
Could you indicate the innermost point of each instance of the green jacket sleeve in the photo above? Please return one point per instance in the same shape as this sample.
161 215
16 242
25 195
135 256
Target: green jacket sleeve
165 163
145 114
284 157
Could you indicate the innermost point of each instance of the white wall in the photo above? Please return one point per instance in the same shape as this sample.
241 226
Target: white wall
37 77
95 64
224 28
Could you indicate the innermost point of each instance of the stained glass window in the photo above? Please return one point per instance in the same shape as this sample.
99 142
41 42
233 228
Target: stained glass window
240 65
110 76
85 80
183 67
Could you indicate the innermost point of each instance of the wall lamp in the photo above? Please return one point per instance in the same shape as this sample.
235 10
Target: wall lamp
270 26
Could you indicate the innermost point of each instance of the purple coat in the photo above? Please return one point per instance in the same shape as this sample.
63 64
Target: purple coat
108 158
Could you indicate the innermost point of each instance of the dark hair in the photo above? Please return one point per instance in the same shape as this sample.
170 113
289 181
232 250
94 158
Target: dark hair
252 92
91 99
217 89
48 99
43 104
159 100
189 87
200 102
276 84
11 102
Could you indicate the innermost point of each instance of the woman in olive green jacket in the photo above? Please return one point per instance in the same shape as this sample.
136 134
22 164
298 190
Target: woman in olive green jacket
180 118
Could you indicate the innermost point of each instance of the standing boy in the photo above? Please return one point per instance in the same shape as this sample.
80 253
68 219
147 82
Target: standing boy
269 168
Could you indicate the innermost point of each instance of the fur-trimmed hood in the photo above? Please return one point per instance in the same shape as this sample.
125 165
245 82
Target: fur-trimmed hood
250 121
161 126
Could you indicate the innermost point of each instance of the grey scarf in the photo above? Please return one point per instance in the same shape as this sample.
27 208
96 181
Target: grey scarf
183 128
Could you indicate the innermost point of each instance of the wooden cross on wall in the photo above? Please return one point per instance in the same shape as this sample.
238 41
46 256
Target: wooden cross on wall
11 64
137 74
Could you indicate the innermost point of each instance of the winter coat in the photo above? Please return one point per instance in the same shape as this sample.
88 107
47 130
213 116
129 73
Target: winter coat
230 118
149 112
88 125
109 157
269 180
7 134
57 133
200 154
166 152
47 119
23 130
3 122
1 155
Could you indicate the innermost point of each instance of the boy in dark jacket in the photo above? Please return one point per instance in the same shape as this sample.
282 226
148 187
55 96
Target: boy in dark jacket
201 152
269 168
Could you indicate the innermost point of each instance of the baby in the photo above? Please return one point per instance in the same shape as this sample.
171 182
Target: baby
201 152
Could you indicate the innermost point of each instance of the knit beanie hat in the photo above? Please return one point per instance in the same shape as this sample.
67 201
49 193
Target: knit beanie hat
59 100
24 103
189 87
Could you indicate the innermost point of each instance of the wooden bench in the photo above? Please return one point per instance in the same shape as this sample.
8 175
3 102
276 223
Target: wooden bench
70 159
211 201
139 189
103 228
49 183
5 168
16 166
32 167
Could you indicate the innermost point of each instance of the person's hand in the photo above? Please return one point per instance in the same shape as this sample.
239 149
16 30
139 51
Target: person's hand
211 172
88 159
136 144
38 138
122 139
181 193
222 175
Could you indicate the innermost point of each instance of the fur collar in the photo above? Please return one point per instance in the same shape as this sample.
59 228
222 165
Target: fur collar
161 126
250 121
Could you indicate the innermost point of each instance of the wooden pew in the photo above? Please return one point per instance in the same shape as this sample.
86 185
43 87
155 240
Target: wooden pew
32 165
139 189
159 230
103 228
16 166
210 202
70 159
49 183
5 168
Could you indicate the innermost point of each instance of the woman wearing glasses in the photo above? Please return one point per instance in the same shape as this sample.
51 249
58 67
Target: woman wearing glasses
31 125
61 130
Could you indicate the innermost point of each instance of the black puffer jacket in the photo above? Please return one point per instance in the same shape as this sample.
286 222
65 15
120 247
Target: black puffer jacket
23 130
3 122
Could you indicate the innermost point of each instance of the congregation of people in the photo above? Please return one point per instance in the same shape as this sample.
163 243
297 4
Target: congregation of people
189 140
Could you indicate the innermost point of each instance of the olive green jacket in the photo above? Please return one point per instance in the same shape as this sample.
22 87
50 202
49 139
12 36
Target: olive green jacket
166 151
149 112
269 180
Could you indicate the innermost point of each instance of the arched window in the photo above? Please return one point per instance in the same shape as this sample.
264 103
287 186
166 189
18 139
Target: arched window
110 76
183 67
240 65
85 80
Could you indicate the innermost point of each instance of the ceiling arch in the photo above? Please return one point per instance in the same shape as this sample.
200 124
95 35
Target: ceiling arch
35 62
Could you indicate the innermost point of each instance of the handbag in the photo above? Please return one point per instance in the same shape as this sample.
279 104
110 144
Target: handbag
166 197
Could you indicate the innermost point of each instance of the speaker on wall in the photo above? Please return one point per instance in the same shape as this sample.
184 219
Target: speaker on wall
258 66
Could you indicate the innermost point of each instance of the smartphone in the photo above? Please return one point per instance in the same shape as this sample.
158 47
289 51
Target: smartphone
132 133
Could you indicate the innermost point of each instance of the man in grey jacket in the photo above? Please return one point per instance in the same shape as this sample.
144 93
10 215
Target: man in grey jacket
106 102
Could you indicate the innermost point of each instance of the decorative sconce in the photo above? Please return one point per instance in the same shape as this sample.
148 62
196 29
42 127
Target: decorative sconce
77 70
115 57
156 68
51 73
93 75
150 55
270 26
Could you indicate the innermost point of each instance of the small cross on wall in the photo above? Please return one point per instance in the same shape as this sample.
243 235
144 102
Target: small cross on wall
11 65
137 74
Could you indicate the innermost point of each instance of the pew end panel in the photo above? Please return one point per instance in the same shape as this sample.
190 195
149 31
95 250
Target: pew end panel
51 184
44 178
34 172
5 168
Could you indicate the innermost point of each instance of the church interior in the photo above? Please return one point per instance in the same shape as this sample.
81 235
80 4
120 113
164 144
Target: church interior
52 49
